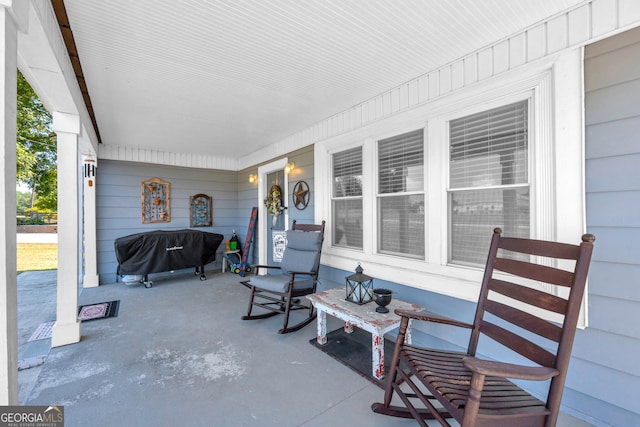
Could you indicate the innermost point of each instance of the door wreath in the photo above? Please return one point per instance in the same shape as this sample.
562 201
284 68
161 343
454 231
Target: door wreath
273 202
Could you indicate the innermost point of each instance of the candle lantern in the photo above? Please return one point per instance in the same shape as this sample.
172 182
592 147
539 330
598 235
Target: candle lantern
359 287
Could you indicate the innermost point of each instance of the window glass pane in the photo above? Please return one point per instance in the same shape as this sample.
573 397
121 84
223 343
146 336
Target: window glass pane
347 173
474 215
401 229
347 220
490 148
488 152
401 163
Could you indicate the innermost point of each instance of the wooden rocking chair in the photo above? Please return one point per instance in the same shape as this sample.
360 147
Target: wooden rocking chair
297 276
477 392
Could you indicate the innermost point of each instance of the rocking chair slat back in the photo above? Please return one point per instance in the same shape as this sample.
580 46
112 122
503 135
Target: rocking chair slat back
545 300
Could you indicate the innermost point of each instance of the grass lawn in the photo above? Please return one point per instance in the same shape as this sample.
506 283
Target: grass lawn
37 256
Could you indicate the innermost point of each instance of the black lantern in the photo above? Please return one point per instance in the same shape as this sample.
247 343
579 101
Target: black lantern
359 287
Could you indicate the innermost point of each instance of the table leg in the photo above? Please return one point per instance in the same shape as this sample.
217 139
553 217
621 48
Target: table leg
322 327
348 327
377 356
407 336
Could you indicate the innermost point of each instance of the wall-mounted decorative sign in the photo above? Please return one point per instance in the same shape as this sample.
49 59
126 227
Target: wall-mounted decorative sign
279 238
301 195
200 208
156 201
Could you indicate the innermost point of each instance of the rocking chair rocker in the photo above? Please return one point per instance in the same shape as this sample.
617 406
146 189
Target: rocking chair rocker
297 276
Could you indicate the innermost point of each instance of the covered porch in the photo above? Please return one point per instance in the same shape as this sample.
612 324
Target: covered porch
204 367
351 83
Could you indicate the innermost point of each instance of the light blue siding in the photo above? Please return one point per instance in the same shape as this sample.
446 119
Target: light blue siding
604 376
118 204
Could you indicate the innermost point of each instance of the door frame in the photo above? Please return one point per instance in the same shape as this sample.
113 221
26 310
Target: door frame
263 188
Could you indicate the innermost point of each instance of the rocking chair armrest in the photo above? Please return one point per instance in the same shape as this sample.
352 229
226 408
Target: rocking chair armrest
430 317
308 273
259 266
509 370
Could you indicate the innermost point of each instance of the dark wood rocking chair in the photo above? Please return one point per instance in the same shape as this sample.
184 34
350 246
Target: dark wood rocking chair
477 392
298 276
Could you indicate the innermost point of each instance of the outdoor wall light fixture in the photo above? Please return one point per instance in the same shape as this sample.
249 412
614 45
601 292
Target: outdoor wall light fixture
289 167
359 287
253 178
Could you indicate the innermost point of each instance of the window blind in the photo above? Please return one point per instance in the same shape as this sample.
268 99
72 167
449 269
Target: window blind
488 180
401 219
490 148
401 163
346 206
347 173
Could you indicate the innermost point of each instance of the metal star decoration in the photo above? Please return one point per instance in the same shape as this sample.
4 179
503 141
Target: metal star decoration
301 195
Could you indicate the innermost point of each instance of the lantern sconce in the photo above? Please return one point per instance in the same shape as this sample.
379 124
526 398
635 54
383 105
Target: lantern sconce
289 167
253 178
359 287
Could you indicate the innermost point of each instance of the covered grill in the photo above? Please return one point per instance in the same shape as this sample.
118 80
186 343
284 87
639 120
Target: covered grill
158 251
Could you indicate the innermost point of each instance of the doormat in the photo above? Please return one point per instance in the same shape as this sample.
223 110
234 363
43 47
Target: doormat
354 351
101 310
43 331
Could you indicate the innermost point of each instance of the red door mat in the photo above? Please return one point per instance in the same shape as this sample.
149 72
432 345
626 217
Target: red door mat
97 311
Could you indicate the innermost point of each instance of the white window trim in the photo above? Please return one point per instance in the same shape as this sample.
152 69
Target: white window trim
556 129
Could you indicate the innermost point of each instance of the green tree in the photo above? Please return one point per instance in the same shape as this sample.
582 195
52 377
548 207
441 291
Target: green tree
36 148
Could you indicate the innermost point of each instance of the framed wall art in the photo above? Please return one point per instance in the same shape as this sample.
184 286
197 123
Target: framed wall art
156 201
200 210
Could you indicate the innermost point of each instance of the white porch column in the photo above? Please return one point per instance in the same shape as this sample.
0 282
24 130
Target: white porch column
66 330
90 279
8 281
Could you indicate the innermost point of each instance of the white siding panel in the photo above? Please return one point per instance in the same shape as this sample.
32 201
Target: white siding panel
423 89
434 85
536 42
413 95
501 56
629 11
557 33
457 75
444 80
604 17
517 50
485 63
470 69
579 25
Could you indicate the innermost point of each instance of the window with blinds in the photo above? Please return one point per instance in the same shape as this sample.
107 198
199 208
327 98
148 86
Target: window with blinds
346 199
401 209
488 180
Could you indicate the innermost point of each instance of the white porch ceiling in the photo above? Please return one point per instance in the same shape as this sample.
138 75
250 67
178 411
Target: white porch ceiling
226 78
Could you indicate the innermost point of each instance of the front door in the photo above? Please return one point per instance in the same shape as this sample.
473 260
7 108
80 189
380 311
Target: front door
271 175
275 223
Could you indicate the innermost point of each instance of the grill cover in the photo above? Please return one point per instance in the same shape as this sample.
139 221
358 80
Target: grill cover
158 251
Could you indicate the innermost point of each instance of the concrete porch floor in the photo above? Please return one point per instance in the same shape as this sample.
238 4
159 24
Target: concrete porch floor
179 354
